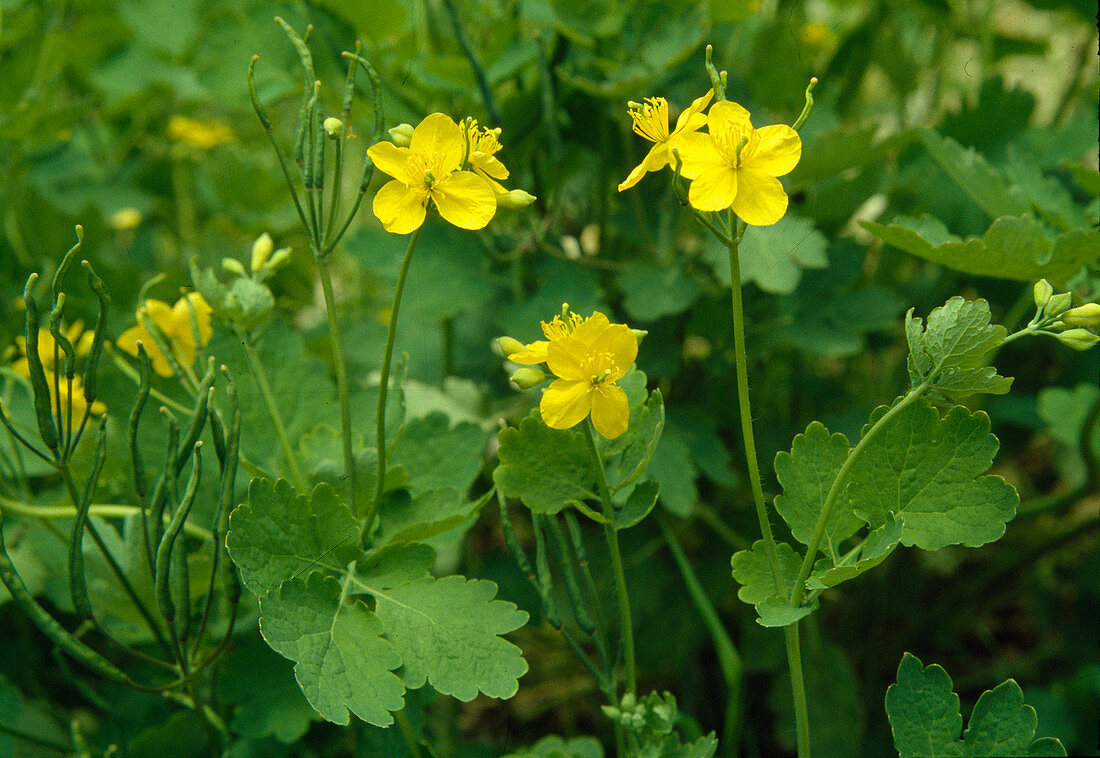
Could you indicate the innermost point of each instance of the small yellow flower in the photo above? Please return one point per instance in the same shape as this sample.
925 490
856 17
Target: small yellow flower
430 169
484 144
736 165
588 362
651 122
174 322
566 325
125 219
201 134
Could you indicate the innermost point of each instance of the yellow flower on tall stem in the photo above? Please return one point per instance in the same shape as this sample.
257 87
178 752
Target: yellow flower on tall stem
430 168
651 122
736 165
565 325
588 361
174 321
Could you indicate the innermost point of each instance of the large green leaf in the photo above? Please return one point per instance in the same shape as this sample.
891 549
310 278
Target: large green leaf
342 661
279 534
807 473
924 716
438 455
927 471
872 551
773 256
974 176
268 699
951 351
545 468
446 630
1014 247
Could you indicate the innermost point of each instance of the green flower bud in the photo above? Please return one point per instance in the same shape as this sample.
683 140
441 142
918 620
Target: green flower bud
1059 304
527 378
1043 291
1087 315
515 199
509 346
261 250
234 266
281 256
401 134
333 127
1078 339
640 334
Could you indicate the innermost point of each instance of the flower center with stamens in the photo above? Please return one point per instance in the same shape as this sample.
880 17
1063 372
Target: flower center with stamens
650 118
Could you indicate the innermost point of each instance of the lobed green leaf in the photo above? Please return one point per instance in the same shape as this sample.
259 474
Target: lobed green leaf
545 468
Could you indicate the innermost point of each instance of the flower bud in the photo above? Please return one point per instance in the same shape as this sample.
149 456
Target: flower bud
333 127
509 345
1043 291
1087 315
515 199
281 256
1078 339
1059 304
261 250
234 266
401 134
639 334
526 378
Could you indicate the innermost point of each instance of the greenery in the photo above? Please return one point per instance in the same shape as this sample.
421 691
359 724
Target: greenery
549 378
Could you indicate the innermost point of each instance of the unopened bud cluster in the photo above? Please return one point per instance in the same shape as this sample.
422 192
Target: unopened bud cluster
1074 327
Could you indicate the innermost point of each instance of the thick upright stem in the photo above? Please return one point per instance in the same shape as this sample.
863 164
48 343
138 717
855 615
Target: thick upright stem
340 368
384 380
790 633
612 537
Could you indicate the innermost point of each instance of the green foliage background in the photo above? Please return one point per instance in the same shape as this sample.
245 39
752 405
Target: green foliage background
952 151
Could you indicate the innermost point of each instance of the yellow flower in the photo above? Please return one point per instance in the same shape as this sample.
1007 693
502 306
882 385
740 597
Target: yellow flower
201 134
651 122
736 165
430 169
484 144
588 361
174 322
566 325
82 343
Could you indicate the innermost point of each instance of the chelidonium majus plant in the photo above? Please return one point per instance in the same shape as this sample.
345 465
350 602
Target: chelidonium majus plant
338 508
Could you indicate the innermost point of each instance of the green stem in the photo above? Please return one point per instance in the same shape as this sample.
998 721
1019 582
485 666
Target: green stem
729 660
384 379
34 739
790 633
341 369
109 510
408 733
612 537
256 366
798 690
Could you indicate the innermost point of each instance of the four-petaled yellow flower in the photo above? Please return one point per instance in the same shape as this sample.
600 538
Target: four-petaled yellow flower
430 168
82 343
175 322
736 165
651 122
483 146
201 134
587 355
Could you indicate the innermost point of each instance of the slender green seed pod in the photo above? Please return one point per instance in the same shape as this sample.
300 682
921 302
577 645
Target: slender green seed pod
166 490
573 588
545 599
78 581
379 116
168 540
66 262
43 409
233 443
180 579
198 418
68 369
546 578
91 364
318 153
48 626
145 385
261 112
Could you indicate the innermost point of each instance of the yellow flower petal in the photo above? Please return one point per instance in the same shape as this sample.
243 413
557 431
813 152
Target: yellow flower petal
400 209
714 190
182 329
564 404
489 164
566 357
693 117
590 328
127 342
760 199
438 133
393 160
464 199
698 154
610 410
623 346
726 114
533 353
777 152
